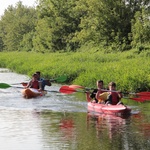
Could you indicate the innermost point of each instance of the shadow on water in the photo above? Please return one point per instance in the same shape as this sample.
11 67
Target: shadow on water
58 121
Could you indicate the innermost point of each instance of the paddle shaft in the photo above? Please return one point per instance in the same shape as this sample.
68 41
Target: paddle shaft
69 90
59 79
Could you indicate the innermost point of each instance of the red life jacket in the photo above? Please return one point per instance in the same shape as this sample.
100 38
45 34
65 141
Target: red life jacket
35 85
115 98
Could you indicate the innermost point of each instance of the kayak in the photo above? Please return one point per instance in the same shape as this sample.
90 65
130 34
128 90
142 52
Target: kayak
108 109
31 93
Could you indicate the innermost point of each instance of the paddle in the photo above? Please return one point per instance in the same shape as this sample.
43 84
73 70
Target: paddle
143 94
69 90
5 86
80 87
23 83
146 98
137 99
59 80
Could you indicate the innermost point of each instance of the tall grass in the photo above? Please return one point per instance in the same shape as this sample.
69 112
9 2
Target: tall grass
130 70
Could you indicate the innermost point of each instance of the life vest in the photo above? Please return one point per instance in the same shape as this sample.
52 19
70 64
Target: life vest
114 98
103 97
35 85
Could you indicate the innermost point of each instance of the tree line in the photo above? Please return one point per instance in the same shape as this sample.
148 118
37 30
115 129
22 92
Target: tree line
56 25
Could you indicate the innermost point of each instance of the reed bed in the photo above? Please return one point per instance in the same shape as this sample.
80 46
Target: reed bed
130 70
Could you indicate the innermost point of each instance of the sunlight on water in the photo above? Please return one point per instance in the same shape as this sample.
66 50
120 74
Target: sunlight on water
25 128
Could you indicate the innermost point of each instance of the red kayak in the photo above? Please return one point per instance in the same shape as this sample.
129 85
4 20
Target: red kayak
108 109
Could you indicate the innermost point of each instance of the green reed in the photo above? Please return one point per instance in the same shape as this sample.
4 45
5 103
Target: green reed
130 70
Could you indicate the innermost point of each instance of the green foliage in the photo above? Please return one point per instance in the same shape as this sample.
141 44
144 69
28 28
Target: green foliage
105 22
141 28
67 25
55 26
27 42
15 24
130 73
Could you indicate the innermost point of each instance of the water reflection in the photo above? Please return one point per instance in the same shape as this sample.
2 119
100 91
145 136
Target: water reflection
142 124
123 133
113 124
67 127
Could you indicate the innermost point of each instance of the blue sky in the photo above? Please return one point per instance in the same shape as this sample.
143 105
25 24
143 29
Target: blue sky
5 3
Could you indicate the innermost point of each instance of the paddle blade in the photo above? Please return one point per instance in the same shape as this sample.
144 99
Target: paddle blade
66 90
145 97
4 85
60 79
138 99
144 94
82 87
76 86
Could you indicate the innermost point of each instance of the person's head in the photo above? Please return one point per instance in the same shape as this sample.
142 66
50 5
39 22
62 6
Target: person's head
34 76
100 84
38 74
112 86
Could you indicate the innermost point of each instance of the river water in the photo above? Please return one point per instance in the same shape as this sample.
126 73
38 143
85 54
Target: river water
61 122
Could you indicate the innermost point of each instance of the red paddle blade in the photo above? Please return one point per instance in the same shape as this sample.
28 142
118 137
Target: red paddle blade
138 99
76 86
66 90
144 94
145 97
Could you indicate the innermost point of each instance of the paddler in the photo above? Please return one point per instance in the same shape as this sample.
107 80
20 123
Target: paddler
92 96
114 97
42 81
34 83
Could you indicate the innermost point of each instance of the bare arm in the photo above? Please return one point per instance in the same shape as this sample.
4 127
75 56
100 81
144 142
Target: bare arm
29 84
88 98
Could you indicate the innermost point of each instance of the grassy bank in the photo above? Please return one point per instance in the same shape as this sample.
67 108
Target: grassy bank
130 70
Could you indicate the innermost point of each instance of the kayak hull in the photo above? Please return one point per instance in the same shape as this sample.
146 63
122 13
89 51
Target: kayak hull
31 93
108 109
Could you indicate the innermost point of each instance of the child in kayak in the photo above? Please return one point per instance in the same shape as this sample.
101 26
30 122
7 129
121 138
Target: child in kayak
114 97
92 96
34 83
42 81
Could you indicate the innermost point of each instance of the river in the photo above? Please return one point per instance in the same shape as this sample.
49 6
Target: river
61 122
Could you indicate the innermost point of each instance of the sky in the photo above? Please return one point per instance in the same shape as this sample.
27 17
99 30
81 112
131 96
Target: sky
5 3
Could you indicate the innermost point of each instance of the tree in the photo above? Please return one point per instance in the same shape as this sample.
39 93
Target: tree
141 28
14 24
107 23
56 24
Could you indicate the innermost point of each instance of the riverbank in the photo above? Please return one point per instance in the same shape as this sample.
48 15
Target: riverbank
130 70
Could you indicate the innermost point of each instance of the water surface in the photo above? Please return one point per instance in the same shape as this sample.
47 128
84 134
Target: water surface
58 121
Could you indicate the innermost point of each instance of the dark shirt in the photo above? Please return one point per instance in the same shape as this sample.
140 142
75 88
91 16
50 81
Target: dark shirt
93 95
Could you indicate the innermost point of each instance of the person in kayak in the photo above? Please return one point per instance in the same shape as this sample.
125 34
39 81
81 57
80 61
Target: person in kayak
42 81
34 83
114 97
92 96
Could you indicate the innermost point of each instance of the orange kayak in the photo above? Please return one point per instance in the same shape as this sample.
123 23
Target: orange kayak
31 93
